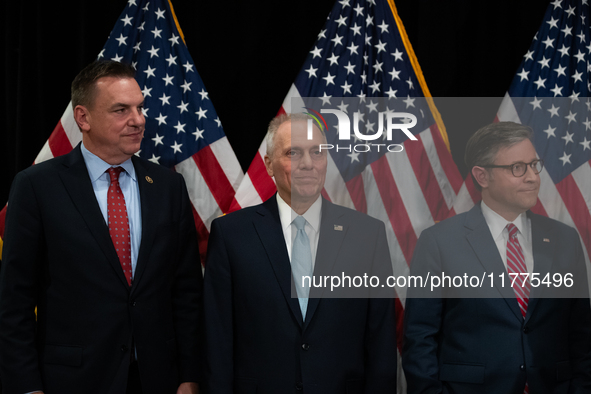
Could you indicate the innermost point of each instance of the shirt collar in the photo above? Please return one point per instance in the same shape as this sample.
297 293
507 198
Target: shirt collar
312 215
497 223
97 166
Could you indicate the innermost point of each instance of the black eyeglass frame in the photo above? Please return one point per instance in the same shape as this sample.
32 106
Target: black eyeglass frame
511 167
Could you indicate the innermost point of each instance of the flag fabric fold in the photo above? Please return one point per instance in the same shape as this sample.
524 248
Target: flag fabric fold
363 52
182 128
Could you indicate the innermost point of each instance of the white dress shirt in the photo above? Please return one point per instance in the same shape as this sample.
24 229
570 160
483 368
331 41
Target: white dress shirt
497 225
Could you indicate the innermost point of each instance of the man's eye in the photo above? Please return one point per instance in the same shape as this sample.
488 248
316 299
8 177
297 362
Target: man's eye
519 167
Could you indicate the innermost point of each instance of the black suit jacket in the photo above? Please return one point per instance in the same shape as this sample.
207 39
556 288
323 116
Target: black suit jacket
467 345
257 341
58 256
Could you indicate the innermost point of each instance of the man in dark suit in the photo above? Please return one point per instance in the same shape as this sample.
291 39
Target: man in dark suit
260 337
117 286
529 338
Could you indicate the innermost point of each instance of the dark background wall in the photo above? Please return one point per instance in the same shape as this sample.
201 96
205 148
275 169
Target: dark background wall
248 54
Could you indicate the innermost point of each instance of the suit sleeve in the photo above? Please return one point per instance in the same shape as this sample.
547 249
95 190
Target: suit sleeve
19 283
218 315
422 323
380 341
580 327
187 293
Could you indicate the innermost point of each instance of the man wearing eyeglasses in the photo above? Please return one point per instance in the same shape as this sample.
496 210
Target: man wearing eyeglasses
512 336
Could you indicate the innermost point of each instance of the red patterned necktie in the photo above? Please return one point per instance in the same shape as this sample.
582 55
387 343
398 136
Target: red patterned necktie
119 222
516 264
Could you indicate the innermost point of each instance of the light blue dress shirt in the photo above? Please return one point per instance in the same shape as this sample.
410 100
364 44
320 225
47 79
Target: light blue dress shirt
131 192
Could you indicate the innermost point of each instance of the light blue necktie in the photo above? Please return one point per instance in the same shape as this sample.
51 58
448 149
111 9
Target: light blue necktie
301 263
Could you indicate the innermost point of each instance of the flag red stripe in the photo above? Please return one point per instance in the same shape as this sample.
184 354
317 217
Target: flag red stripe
357 192
574 201
214 176
2 218
395 208
449 166
426 178
261 181
58 141
234 206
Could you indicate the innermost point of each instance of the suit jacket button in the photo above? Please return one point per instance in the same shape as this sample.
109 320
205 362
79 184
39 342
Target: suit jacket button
305 346
525 330
123 348
133 303
299 386
522 367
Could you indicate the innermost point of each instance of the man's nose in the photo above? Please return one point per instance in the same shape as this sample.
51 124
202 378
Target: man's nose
305 161
137 118
530 174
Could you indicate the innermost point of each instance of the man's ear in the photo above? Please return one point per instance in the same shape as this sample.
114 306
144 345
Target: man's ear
82 117
481 175
268 165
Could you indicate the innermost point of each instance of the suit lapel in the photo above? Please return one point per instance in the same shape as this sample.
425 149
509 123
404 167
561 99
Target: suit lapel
77 182
268 228
483 244
149 206
329 243
542 252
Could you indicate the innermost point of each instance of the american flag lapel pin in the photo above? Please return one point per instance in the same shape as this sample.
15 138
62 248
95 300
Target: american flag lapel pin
546 239
338 227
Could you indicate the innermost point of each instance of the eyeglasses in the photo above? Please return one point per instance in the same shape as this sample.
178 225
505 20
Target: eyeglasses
519 169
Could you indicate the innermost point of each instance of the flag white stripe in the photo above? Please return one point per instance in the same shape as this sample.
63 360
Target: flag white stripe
229 163
463 202
582 175
376 209
410 191
246 195
507 111
205 204
44 154
293 97
446 190
335 185
70 127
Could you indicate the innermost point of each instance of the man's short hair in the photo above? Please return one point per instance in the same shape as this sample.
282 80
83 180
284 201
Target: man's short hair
278 121
483 146
84 85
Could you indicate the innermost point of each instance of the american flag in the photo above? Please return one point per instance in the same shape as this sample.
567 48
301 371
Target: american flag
182 128
363 52
550 93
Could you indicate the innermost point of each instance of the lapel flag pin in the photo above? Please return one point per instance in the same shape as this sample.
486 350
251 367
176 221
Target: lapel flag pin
546 240
149 179
338 227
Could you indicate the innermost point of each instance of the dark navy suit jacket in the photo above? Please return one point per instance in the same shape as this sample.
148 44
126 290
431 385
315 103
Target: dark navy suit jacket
484 345
256 339
58 256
